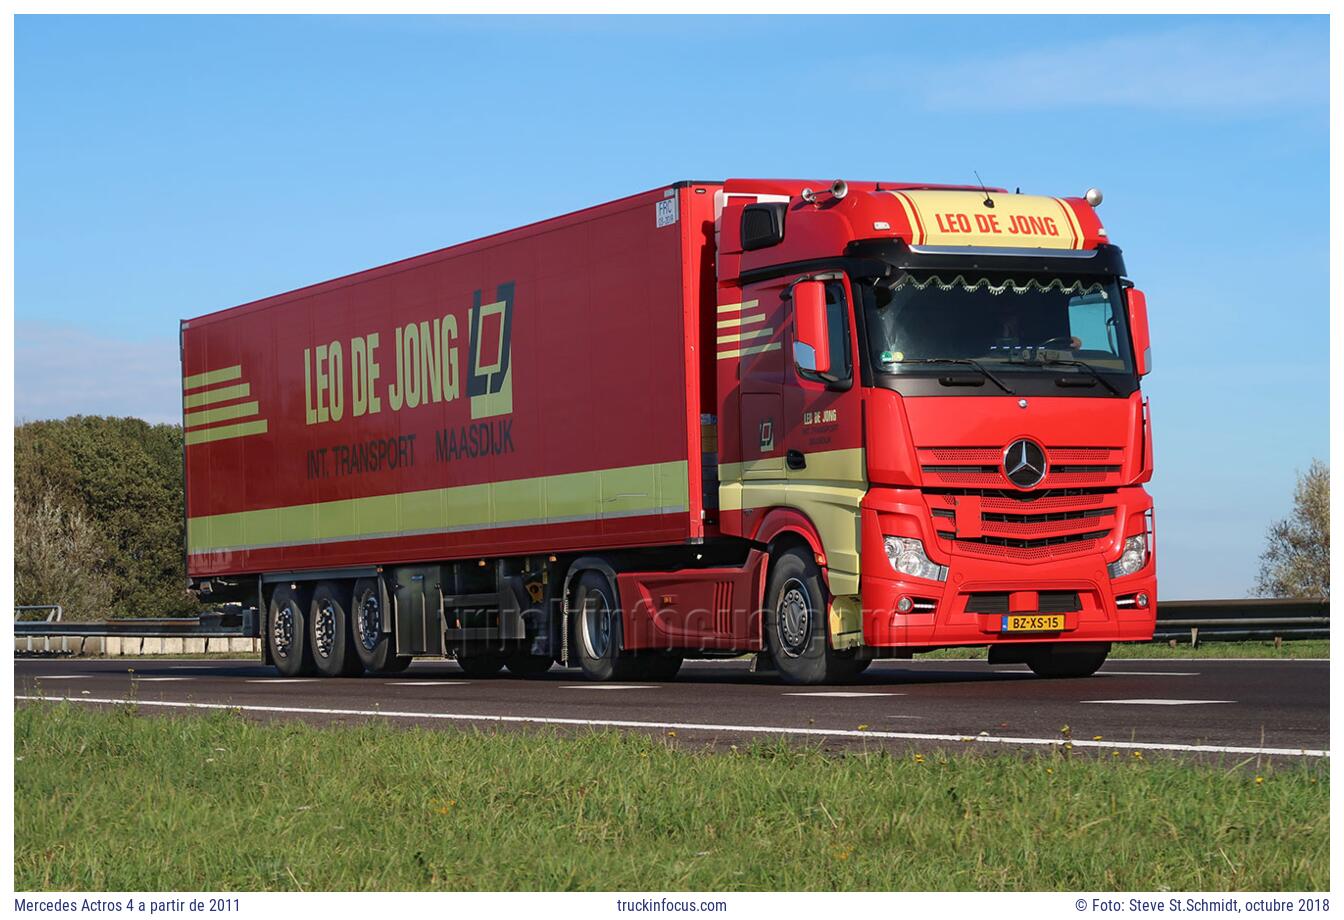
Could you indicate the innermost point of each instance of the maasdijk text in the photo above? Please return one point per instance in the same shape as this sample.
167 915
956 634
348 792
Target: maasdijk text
464 442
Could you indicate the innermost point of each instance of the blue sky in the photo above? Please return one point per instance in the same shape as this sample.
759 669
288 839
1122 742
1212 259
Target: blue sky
166 167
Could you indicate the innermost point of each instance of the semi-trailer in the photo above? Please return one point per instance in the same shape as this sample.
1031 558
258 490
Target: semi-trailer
822 423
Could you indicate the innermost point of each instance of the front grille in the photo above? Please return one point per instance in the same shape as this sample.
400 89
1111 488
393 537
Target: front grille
1033 544
987 602
1059 602
983 466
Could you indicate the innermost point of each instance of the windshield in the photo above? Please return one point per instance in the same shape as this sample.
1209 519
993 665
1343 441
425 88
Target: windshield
1007 325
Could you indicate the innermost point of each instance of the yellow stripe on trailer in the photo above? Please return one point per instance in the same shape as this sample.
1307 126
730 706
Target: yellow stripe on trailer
218 395
211 377
657 488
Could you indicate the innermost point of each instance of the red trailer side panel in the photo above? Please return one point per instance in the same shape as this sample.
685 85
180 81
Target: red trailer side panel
534 391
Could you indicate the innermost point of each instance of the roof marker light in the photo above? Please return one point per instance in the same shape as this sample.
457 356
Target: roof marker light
1093 196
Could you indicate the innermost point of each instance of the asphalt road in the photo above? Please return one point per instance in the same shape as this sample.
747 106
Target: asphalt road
1203 708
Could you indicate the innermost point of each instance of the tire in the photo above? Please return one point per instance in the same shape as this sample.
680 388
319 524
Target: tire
373 648
330 638
287 631
597 629
1059 661
481 665
522 664
797 624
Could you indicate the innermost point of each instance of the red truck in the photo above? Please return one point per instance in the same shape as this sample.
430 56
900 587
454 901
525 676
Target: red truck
822 423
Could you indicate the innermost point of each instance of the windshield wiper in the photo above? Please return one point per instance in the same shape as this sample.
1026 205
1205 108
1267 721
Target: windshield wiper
1071 362
970 362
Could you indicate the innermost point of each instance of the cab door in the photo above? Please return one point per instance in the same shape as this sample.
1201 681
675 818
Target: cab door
825 476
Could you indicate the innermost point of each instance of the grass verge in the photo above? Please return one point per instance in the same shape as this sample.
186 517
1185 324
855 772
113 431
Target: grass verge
1298 648
112 800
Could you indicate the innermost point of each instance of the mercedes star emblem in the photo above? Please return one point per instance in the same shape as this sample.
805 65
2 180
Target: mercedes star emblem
1024 463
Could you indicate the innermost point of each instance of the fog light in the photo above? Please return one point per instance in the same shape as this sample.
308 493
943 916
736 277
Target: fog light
904 605
1141 600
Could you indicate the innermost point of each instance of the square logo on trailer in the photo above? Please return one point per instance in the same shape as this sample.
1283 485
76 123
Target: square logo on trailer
490 371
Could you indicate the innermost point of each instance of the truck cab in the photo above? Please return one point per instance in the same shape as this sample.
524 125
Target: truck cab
936 390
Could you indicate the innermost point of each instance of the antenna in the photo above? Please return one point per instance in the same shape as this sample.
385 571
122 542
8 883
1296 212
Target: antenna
989 202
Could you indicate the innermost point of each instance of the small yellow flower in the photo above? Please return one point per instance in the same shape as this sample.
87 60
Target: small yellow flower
919 758
863 728
1138 755
1096 737
1049 770
1259 780
672 733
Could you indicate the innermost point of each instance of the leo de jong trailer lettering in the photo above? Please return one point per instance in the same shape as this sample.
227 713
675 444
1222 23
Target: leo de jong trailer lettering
821 423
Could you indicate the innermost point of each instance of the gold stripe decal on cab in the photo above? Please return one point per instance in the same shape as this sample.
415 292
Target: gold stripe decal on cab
204 389
732 331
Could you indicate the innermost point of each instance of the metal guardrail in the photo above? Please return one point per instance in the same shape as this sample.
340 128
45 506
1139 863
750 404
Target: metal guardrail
219 624
1243 619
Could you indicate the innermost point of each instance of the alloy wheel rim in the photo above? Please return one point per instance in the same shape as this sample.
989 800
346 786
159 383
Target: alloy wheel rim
282 630
370 622
793 618
324 629
596 627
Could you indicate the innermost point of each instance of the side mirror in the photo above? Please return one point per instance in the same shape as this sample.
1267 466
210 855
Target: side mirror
1138 330
811 340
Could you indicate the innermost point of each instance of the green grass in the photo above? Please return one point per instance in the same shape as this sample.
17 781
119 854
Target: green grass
114 800
1300 648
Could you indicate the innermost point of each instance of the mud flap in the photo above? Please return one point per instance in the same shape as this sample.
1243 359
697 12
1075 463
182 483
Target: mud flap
846 622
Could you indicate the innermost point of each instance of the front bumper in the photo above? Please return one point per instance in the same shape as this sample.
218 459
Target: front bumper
969 607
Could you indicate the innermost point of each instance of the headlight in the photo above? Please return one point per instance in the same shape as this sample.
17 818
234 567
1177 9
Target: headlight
907 557
1132 559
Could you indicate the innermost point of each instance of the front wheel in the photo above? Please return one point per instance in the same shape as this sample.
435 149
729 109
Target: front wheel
1062 661
797 627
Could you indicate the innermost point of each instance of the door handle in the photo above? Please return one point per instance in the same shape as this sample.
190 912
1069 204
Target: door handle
796 460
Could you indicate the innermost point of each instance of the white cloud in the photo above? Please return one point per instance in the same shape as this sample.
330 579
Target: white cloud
69 370
1225 68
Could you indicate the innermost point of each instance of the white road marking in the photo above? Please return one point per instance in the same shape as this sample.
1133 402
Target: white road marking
609 687
426 683
840 693
701 726
145 679
1158 702
281 680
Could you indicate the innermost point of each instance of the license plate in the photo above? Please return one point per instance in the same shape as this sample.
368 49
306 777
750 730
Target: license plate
1032 622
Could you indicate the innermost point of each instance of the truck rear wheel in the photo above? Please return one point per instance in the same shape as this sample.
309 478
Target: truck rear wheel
287 630
374 647
1062 661
329 634
598 634
797 624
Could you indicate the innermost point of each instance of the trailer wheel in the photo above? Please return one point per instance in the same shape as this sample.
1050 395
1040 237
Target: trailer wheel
374 648
597 629
329 634
287 631
1061 661
796 624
